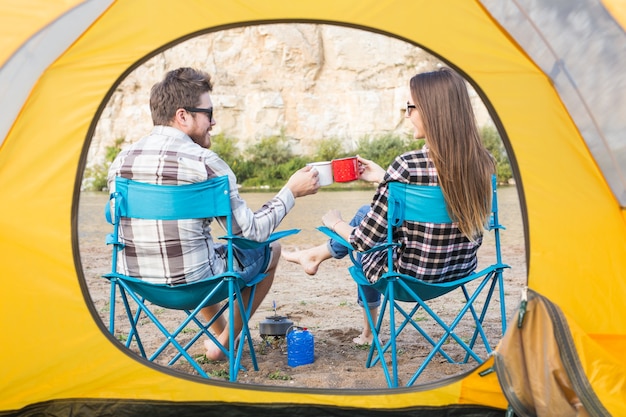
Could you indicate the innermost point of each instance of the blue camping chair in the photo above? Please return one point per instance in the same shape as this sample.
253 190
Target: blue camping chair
415 203
207 199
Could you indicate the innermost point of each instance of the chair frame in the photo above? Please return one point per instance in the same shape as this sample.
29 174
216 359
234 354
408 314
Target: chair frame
396 287
206 199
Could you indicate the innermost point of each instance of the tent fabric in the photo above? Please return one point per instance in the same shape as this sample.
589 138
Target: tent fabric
60 61
36 52
545 30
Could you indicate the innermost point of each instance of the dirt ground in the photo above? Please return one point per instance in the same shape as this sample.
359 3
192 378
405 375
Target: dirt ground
326 305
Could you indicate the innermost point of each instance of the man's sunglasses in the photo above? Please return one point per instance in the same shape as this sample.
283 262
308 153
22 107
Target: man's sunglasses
208 111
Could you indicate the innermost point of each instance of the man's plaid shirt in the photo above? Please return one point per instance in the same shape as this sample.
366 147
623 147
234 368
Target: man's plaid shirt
176 252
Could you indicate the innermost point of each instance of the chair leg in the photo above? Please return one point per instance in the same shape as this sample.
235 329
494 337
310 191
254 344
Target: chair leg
133 319
393 336
500 274
246 328
448 330
204 331
244 337
408 319
170 337
371 360
112 299
376 346
390 347
234 350
244 312
479 320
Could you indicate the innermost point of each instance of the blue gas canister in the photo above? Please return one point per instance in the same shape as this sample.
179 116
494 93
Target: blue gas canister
300 347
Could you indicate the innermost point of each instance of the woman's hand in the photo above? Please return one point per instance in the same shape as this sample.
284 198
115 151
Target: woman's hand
331 218
370 170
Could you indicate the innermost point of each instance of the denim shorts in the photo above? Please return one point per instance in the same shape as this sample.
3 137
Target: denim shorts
251 262
338 251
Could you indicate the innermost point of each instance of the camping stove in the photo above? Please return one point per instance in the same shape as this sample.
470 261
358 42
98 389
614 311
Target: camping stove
275 326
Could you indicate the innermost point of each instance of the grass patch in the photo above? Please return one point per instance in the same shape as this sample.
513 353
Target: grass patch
189 330
279 376
220 373
365 346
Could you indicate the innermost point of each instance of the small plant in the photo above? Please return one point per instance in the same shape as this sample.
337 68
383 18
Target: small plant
279 376
364 346
273 343
219 373
203 360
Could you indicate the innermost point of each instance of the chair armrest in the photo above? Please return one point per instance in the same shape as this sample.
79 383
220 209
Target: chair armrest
345 243
243 243
111 240
334 236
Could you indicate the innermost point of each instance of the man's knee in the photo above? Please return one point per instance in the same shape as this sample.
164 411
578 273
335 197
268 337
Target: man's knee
275 251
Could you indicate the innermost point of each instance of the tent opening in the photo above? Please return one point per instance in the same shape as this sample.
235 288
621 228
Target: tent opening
301 92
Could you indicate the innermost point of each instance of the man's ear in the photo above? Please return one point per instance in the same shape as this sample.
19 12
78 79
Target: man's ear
182 119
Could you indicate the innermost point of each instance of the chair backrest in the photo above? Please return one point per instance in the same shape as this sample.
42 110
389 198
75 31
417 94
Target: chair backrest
205 199
424 203
133 199
417 203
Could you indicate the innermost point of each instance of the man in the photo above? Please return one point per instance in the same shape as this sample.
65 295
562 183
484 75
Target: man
177 152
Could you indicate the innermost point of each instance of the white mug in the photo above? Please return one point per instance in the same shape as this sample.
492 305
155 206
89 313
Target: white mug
324 170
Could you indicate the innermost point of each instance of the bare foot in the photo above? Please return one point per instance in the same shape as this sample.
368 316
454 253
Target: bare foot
306 258
213 352
363 339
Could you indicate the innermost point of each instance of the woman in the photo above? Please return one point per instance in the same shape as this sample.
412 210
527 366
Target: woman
454 158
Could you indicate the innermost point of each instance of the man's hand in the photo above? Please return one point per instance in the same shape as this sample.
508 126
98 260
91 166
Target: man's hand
303 182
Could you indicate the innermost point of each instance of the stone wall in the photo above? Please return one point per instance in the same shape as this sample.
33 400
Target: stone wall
304 81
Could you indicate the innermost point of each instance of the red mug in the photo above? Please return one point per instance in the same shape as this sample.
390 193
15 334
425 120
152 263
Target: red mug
345 169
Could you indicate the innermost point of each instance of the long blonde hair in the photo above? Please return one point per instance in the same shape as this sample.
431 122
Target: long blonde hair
464 166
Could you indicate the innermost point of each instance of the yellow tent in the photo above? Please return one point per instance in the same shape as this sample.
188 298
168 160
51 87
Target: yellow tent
553 74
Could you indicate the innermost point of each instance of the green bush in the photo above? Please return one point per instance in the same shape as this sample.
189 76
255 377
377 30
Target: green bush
95 178
384 149
270 151
226 148
270 162
329 149
492 141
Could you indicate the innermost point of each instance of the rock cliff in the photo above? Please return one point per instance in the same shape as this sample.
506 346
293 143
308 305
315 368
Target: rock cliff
304 81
